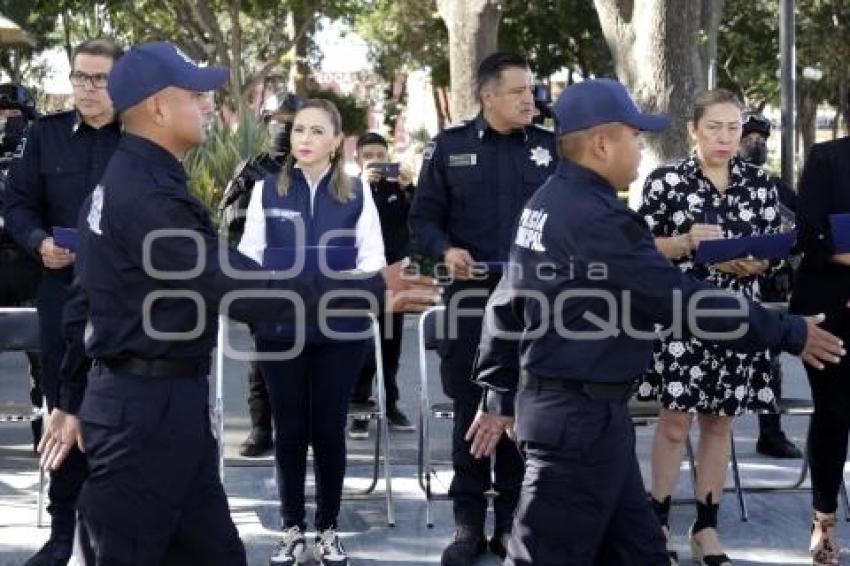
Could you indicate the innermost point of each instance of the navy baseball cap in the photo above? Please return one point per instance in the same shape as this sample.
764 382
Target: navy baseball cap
601 101
150 67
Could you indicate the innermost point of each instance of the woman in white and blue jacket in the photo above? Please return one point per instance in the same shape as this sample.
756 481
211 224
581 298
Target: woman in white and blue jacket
310 392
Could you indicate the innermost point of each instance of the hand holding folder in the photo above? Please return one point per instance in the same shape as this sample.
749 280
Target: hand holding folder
774 246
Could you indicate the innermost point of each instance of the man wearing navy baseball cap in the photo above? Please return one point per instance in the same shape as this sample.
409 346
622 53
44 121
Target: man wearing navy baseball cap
150 278
585 289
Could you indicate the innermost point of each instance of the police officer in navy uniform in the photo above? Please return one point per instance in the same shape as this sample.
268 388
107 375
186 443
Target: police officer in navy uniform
475 178
63 158
19 271
570 328
149 281
232 209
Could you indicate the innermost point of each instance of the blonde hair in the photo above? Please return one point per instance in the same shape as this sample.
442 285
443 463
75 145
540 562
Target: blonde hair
340 183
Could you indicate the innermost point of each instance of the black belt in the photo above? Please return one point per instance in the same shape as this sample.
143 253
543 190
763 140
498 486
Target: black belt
159 367
594 390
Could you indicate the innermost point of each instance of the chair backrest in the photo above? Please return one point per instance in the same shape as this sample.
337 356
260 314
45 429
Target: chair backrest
433 321
19 329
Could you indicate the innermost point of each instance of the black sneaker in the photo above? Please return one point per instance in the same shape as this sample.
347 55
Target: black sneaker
329 550
499 543
777 447
55 552
292 549
359 429
259 442
464 549
398 420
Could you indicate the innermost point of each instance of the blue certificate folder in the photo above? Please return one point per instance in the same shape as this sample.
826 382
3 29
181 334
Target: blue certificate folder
336 258
65 238
840 232
774 246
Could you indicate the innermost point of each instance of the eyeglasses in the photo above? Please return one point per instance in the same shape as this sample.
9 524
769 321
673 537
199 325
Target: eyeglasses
98 80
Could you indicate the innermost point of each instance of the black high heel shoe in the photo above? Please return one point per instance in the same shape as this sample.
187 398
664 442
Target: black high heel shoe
662 511
706 518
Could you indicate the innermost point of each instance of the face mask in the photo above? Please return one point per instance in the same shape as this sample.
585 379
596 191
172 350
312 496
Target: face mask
279 132
754 152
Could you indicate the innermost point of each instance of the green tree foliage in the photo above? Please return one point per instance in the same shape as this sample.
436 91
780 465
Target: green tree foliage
211 166
405 35
354 114
554 34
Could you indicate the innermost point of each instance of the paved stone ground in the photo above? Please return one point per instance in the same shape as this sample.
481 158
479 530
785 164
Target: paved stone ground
777 532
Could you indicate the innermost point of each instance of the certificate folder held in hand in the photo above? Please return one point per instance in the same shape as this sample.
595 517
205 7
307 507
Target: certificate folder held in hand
335 258
840 232
774 246
65 238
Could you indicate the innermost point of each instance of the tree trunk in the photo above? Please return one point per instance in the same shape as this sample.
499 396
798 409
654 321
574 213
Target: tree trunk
302 69
473 34
236 83
711 14
662 54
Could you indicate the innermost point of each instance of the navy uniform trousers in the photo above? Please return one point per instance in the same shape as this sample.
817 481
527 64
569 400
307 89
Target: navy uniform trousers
582 501
65 483
154 484
473 477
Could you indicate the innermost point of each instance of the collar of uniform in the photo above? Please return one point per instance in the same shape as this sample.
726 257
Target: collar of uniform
482 127
79 123
571 170
156 154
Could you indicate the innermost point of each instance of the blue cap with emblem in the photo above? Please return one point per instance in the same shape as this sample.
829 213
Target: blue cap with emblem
150 67
601 101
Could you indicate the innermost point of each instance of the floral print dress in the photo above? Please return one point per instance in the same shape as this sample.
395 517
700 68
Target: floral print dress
689 375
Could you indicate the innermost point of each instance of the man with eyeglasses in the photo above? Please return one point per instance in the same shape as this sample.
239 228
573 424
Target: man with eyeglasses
63 159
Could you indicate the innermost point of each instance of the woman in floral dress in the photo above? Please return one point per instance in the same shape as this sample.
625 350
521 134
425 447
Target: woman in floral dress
712 194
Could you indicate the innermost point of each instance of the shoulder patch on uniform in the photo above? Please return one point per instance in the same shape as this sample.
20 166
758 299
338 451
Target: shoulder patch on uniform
430 148
96 210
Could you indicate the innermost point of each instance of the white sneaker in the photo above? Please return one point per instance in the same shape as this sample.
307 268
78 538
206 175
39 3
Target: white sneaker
329 550
292 549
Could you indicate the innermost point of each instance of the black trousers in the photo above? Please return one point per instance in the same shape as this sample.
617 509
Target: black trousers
154 484
310 395
259 406
474 477
828 432
583 501
391 335
65 483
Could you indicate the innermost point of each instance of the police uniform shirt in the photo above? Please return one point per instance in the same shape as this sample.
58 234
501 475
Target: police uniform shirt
585 288
62 161
473 183
367 232
133 277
